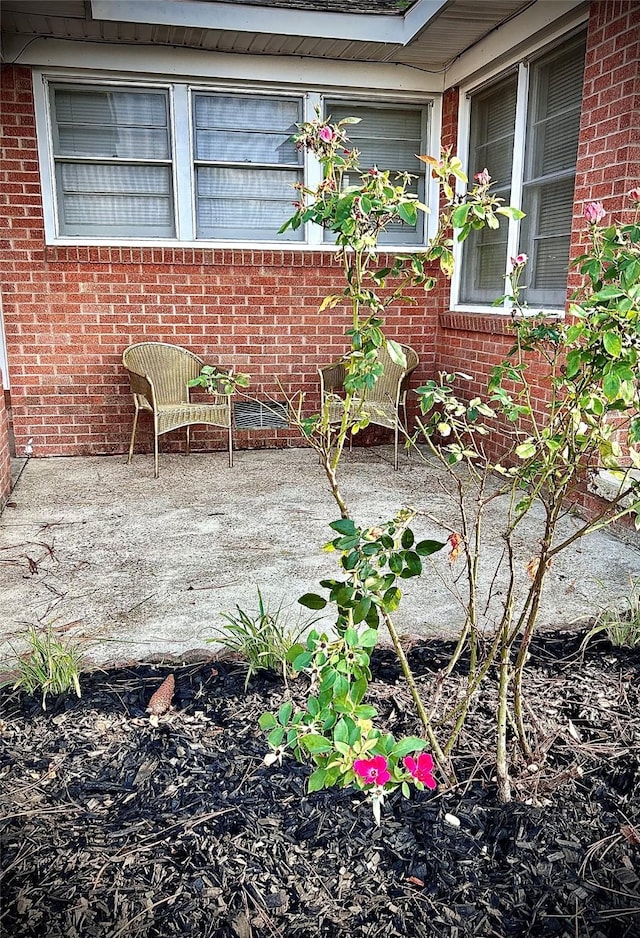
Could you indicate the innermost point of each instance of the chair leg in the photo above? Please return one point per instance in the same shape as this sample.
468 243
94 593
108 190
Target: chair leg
133 436
406 426
156 471
188 440
230 447
395 447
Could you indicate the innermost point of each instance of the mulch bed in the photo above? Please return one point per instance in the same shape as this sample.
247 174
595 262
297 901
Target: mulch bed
113 827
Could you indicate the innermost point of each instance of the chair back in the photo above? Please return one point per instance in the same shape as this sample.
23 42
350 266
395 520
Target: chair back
392 382
168 367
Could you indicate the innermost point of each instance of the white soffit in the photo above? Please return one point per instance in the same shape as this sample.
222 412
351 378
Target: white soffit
248 18
535 23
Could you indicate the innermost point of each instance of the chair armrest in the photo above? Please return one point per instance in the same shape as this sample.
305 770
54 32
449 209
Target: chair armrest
332 377
142 386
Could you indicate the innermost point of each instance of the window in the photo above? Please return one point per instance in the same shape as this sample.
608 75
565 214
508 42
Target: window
112 159
390 138
533 169
245 165
176 161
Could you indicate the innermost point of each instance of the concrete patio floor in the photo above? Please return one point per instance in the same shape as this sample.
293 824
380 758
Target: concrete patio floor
135 568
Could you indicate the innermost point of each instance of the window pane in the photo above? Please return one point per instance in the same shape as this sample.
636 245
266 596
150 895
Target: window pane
484 260
546 234
242 203
111 124
386 138
552 145
100 137
389 138
554 113
242 129
115 199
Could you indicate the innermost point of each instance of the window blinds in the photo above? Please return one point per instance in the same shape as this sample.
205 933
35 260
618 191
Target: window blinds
388 138
493 116
245 165
552 142
112 162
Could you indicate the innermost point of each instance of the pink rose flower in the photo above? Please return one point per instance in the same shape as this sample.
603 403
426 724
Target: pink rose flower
326 134
421 769
483 178
634 195
519 260
373 771
594 212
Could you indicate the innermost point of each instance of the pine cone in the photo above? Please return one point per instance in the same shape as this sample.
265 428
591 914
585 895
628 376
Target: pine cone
161 700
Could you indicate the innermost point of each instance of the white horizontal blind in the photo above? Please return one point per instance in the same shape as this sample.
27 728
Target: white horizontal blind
112 155
245 165
552 143
493 115
390 138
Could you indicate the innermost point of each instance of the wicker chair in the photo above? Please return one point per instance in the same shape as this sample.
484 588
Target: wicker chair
159 374
382 403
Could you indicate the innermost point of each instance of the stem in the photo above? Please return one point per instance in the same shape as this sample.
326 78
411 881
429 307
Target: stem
441 759
502 768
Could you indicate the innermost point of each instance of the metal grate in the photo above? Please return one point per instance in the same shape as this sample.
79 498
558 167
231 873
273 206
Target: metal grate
257 415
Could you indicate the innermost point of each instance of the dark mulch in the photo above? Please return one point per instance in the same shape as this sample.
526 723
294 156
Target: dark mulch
112 827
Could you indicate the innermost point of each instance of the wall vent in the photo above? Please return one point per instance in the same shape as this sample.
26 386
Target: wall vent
260 415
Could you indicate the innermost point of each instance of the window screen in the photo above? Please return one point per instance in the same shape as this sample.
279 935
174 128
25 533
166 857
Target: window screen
493 115
553 125
112 158
389 138
245 165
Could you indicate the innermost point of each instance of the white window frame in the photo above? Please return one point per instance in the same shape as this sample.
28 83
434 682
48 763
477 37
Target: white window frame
518 168
180 94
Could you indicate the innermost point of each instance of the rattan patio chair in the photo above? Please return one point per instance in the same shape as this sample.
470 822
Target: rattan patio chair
159 374
382 403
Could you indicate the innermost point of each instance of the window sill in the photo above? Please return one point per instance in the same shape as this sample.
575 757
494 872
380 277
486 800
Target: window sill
494 322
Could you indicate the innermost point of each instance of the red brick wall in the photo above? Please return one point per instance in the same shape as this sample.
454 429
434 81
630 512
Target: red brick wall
5 462
608 166
608 163
70 312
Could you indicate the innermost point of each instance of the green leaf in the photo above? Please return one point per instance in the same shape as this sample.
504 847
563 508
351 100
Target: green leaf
344 526
302 661
267 721
276 736
515 214
611 386
284 713
396 354
408 213
407 538
351 637
405 746
426 548
574 361
525 450
369 638
312 601
366 712
391 599
317 780
315 743
459 216
612 343
341 731
413 564
361 611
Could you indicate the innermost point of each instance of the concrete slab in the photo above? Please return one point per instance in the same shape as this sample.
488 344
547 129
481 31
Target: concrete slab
135 567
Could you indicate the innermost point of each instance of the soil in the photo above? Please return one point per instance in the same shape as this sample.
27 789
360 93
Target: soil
115 827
